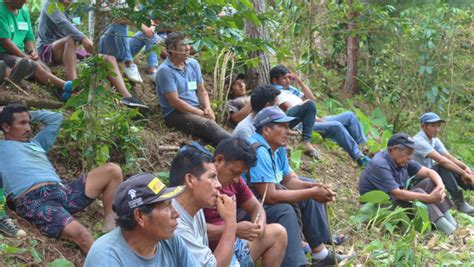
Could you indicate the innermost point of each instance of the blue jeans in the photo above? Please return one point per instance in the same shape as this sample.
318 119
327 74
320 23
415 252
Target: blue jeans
306 114
345 130
115 42
139 41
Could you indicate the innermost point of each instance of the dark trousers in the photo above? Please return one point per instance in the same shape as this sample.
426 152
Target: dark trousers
435 210
315 227
198 126
453 183
306 114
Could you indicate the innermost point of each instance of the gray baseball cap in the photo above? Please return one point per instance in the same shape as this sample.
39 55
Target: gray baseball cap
401 139
271 114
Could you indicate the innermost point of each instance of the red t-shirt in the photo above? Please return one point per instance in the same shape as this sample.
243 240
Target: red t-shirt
240 192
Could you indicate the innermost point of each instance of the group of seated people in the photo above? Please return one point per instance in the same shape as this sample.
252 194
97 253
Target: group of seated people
239 205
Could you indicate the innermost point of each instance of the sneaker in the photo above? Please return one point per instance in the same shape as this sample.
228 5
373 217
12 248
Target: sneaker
132 73
329 260
8 227
363 161
465 207
133 102
152 76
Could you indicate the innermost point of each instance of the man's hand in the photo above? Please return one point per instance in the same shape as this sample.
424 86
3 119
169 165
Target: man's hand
226 208
468 178
33 55
247 230
323 193
87 44
437 195
209 113
148 31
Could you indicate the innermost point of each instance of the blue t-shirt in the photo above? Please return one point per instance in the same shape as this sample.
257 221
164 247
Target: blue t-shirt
424 146
271 166
25 164
171 79
383 174
112 250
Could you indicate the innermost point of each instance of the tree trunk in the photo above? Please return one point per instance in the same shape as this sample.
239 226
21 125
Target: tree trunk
259 74
352 42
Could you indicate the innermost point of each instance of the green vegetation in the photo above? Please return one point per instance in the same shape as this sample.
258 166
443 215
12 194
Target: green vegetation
412 58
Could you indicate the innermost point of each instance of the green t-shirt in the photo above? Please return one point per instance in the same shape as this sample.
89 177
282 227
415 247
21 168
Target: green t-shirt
15 27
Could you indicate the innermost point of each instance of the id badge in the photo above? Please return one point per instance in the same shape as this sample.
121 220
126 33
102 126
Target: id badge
22 26
192 86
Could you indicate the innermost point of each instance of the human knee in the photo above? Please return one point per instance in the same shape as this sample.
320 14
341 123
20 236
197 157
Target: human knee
277 232
78 233
70 42
114 170
110 59
310 105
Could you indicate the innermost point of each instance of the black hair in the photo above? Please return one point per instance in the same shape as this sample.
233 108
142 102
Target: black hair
236 149
261 96
278 71
270 125
172 40
127 221
188 161
6 116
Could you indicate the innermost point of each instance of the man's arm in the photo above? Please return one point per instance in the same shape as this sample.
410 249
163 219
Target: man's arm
236 117
203 97
449 162
285 196
63 24
51 125
306 91
434 176
225 248
11 48
182 106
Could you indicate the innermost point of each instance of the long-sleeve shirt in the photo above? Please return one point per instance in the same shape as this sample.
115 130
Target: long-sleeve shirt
25 164
54 25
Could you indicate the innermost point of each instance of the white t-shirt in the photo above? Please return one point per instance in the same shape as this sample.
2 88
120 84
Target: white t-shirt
423 146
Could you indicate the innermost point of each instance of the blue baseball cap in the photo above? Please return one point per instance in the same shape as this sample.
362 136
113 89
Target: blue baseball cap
430 117
271 114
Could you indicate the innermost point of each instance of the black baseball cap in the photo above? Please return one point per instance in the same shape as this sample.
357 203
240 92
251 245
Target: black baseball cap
401 139
142 189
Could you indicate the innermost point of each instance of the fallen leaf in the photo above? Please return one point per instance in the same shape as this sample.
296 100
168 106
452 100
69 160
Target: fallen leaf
432 241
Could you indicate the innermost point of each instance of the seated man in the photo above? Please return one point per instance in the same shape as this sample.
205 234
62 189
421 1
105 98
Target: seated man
183 98
272 173
390 171
146 224
57 45
344 128
32 185
431 153
17 42
238 104
195 170
263 96
233 157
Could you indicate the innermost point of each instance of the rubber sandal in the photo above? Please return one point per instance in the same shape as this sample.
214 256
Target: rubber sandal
3 71
24 68
339 239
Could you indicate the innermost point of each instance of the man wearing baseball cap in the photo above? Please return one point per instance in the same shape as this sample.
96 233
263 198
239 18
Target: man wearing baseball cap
146 224
272 174
390 171
431 153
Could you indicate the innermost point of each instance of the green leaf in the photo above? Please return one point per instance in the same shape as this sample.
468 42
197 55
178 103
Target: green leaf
295 158
316 138
60 263
375 196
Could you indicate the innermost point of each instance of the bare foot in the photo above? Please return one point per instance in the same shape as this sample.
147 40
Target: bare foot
312 151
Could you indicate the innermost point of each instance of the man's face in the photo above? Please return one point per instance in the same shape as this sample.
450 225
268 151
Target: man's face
206 189
182 49
229 172
402 156
162 221
432 129
278 135
20 129
284 80
238 88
